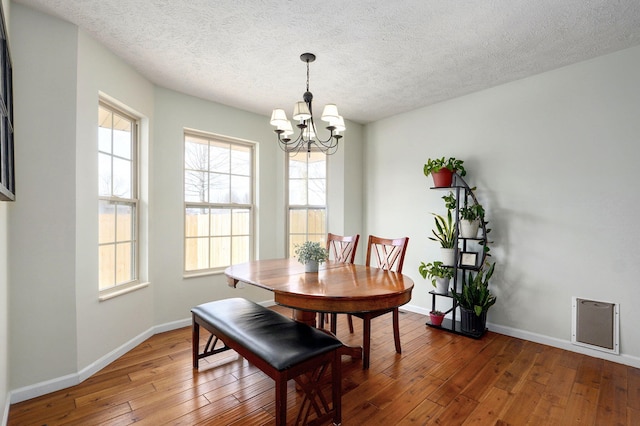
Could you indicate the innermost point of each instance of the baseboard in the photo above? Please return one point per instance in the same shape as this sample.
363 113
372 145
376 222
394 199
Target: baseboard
546 340
53 385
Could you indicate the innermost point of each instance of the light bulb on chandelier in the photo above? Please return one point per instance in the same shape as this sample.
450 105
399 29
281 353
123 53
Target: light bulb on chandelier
303 113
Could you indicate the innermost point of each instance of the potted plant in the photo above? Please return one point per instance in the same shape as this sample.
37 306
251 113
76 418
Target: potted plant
470 217
438 274
475 300
445 234
436 317
442 170
311 254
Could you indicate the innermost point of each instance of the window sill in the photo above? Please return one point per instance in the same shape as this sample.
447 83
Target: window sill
208 272
119 291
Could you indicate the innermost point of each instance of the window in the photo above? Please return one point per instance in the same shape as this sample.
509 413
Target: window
118 197
307 211
218 197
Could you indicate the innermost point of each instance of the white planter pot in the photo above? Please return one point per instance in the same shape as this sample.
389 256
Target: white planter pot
469 229
311 266
448 256
442 285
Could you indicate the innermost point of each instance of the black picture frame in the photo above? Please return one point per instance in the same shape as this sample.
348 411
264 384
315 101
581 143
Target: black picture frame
468 259
7 171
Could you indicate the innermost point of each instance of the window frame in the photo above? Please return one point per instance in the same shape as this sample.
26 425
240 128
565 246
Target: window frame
134 202
307 207
251 207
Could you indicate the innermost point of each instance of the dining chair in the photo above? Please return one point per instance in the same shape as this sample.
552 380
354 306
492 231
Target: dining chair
386 254
341 249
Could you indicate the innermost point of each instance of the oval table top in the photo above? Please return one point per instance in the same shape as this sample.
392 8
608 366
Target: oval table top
337 287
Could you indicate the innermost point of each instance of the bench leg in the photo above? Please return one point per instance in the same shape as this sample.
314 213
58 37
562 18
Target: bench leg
195 343
281 400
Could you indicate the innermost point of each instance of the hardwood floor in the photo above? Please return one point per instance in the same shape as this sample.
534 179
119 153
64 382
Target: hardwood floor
440 378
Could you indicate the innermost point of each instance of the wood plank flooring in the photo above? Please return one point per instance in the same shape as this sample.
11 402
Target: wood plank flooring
439 378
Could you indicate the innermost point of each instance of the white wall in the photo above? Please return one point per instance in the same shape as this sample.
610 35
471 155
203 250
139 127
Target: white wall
42 331
59 73
554 158
103 326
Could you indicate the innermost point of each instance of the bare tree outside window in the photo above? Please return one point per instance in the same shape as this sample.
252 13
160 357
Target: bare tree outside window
218 195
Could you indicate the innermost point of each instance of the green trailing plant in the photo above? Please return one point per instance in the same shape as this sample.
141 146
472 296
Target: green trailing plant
452 164
472 212
449 201
445 231
475 295
311 251
434 270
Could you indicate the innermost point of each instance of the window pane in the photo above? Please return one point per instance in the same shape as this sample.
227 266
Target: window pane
124 263
220 252
295 240
196 154
240 160
196 254
106 266
317 165
196 188
121 178
298 167
124 223
317 192
219 158
196 222
122 137
104 129
104 174
221 222
298 221
316 221
106 222
241 222
297 192
240 251
240 187
219 188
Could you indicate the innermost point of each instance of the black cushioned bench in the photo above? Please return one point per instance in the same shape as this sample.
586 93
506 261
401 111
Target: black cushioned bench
282 348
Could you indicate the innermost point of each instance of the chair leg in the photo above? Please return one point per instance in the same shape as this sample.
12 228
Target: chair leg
350 321
334 323
366 341
321 320
396 329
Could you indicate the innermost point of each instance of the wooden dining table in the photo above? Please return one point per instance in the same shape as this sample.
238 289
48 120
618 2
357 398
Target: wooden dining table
336 288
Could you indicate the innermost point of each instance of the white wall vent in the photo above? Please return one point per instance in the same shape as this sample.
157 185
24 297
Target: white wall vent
595 325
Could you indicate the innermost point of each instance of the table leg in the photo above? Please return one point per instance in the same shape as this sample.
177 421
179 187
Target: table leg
305 317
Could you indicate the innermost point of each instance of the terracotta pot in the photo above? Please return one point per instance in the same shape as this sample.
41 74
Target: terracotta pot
442 178
436 319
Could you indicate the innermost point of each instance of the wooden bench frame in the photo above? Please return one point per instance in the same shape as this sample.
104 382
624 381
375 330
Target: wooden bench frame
309 375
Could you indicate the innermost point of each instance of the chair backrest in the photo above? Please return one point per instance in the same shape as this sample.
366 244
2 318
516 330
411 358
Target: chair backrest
388 253
342 249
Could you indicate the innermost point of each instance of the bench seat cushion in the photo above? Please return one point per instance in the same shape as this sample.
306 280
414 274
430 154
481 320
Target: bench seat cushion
278 340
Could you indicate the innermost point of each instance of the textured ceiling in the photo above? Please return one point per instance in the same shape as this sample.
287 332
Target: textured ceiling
375 58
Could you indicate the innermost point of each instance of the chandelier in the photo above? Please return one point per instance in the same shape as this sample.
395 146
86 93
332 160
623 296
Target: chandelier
303 114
